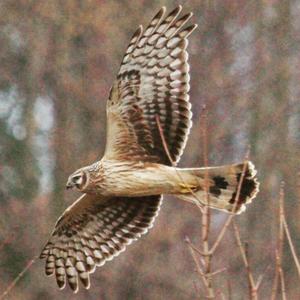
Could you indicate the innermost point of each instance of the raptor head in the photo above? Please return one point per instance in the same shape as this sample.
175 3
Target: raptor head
78 179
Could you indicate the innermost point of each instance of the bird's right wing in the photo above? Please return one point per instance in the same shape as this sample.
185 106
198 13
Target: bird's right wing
94 230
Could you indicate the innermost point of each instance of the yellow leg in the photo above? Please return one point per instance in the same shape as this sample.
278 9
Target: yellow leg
187 188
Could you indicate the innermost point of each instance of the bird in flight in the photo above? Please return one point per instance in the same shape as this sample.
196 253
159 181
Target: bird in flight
148 122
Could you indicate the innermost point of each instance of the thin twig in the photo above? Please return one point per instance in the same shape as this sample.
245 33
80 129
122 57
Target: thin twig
294 254
276 277
278 252
281 239
198 267
282 282
218 272
206 215
196 249
244 254
221 234
20 275
161 133
260 278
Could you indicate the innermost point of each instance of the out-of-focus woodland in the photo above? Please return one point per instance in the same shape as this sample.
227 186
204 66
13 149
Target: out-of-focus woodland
58 60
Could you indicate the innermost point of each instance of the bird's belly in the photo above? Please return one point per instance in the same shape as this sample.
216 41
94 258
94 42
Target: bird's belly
140 182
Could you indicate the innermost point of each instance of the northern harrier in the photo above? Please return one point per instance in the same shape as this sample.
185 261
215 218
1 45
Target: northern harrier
148 120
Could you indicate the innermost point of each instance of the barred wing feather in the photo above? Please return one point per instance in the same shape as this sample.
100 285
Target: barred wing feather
153 82
92 231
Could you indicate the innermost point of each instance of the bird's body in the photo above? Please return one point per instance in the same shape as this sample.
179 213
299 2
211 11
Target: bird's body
113 178
148 122
138 179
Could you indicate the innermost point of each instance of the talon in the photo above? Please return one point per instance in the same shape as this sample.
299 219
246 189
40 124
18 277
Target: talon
186 188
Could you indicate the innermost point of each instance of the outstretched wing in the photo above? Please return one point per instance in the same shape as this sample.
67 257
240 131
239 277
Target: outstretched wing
152 84
94 230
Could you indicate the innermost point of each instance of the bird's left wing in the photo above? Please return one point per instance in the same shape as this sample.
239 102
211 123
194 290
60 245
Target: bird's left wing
152 87
92 231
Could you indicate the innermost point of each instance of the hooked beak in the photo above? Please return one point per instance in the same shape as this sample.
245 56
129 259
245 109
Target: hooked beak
69 185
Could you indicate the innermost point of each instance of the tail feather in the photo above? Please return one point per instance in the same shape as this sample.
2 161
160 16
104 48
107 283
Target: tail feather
229 188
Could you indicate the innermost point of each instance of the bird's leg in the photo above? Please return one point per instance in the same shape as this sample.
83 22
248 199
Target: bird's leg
186 188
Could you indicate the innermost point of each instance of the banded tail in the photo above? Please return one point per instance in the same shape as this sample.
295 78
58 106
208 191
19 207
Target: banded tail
229 188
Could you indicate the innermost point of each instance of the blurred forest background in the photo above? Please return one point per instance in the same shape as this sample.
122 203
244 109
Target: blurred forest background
58 60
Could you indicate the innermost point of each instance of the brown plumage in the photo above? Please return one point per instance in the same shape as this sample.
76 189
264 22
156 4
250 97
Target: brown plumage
94 230
122 192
